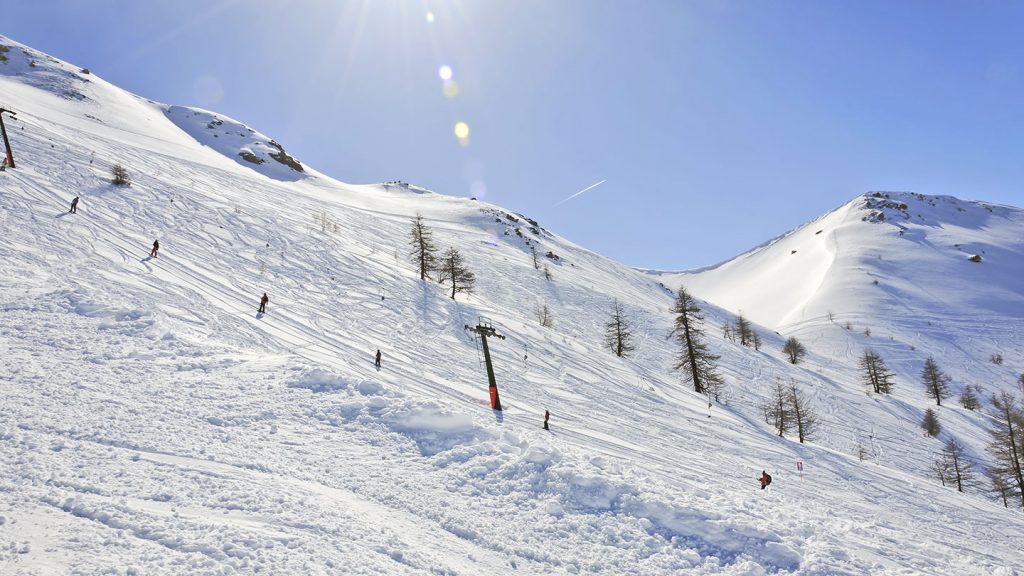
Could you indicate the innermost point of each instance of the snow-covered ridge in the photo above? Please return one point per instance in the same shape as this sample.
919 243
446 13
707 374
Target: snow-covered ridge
902 237
43 71
238 141
155 424
118 109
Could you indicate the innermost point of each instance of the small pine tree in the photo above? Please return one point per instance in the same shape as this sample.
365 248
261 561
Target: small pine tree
940 468
547 273
424 251
695 360
1020 383
120 175
861 452
324 221
544 316
777 409
794 350
936 382
536 261
999 485
453 267
744 330
617 332
959 470
876 374
969 399
930 423
757 341
804 417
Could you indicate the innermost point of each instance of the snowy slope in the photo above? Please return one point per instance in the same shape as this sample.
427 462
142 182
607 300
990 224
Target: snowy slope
154 424
893 272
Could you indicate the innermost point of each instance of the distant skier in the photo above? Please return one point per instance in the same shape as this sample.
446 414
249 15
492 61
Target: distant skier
156 248
766 479
263 303
376 361
74 206
546 416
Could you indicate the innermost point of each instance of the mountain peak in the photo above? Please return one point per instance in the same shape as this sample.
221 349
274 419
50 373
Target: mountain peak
873 252
909 207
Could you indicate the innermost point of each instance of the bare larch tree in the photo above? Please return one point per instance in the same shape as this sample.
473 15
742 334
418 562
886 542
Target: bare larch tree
695 360
876 374
936 382
424 251
618 335
1006 444
453 267
794 350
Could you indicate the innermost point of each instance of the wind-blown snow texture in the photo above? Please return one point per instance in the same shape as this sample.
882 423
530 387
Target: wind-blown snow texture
153 423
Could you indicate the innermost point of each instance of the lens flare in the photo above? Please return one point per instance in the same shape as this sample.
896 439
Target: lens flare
430 17
491 238
461 130
478 189
450 89
445 72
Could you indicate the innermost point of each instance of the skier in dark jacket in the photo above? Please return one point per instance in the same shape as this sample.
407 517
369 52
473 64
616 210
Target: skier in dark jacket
263 303
376 362
766 479
156 248
74 206
546 416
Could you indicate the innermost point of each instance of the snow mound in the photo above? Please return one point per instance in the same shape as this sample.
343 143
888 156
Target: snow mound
432 427
319 380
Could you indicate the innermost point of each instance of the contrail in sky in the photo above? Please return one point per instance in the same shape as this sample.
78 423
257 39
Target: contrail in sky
591 187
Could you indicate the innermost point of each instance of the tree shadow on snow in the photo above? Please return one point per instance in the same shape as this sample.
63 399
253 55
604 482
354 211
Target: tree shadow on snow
425 300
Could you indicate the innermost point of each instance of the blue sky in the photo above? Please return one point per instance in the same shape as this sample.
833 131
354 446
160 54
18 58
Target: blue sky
715 125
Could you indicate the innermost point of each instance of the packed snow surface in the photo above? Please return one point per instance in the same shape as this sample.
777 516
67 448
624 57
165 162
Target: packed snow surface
154 423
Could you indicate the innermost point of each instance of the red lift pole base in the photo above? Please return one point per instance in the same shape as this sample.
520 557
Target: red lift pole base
495 401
